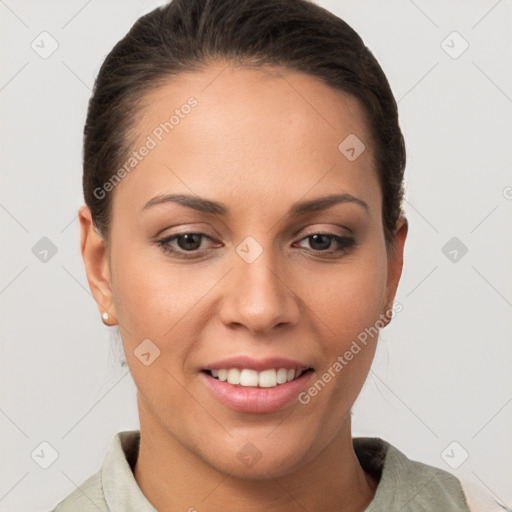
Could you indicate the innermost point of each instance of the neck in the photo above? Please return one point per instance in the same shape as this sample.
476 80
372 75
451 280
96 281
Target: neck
173 478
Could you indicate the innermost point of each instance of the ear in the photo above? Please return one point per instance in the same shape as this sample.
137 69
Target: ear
395 262
96 262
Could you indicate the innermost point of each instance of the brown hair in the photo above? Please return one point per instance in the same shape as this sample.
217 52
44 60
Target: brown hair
185 35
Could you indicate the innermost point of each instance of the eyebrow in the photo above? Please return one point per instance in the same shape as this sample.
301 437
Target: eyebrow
297 209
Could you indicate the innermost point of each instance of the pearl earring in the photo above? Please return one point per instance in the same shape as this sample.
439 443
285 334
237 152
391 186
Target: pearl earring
105 318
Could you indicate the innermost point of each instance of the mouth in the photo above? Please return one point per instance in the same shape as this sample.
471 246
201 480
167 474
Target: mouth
248 377
247 384
256 386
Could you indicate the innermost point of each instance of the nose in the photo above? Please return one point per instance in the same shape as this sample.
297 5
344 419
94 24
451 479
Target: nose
259 296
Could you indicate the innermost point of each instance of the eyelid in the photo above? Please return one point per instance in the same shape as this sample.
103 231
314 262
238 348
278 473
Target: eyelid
328 229
345 244
185 230
204 229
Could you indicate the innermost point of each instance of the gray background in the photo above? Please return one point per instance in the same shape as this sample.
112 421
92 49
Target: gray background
442 369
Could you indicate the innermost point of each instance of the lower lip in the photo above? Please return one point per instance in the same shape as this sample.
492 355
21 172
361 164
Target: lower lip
255 399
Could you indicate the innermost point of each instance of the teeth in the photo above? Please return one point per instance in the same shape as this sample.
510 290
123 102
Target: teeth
268 379
248 378
265 379
234 376
282 375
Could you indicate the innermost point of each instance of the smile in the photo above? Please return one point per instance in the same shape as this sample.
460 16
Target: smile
256 386
251 378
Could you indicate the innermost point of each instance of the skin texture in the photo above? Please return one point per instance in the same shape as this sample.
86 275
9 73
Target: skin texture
259 140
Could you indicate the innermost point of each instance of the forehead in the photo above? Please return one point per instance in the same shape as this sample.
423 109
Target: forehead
257 132
234 100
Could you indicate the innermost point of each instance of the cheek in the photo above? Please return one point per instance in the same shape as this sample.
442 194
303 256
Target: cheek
155 302
155 298
163 302
150 293
348 298
350 305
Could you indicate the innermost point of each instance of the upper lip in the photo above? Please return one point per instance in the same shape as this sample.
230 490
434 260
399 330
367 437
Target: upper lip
259 365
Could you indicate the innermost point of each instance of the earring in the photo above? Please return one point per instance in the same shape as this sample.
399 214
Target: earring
105 318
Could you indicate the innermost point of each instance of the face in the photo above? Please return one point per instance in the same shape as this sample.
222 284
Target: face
258 284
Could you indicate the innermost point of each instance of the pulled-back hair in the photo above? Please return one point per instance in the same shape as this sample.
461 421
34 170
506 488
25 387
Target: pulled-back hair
185 35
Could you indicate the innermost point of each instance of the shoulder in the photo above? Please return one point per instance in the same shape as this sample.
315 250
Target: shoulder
405 484
113 485
87 497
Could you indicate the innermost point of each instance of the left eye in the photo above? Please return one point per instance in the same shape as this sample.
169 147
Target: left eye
320 238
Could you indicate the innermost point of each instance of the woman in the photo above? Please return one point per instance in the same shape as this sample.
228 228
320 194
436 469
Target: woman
243 179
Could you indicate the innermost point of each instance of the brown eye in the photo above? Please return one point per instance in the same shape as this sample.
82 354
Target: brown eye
189 242
322 242
185 243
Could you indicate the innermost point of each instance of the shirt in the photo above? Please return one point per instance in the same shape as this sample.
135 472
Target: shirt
404 485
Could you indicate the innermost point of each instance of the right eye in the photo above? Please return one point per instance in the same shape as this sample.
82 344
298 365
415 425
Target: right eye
186 242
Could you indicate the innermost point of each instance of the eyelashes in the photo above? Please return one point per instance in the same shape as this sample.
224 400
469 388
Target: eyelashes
194 239
165 243
344 242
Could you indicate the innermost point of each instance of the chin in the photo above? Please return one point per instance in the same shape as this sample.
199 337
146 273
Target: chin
258 460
